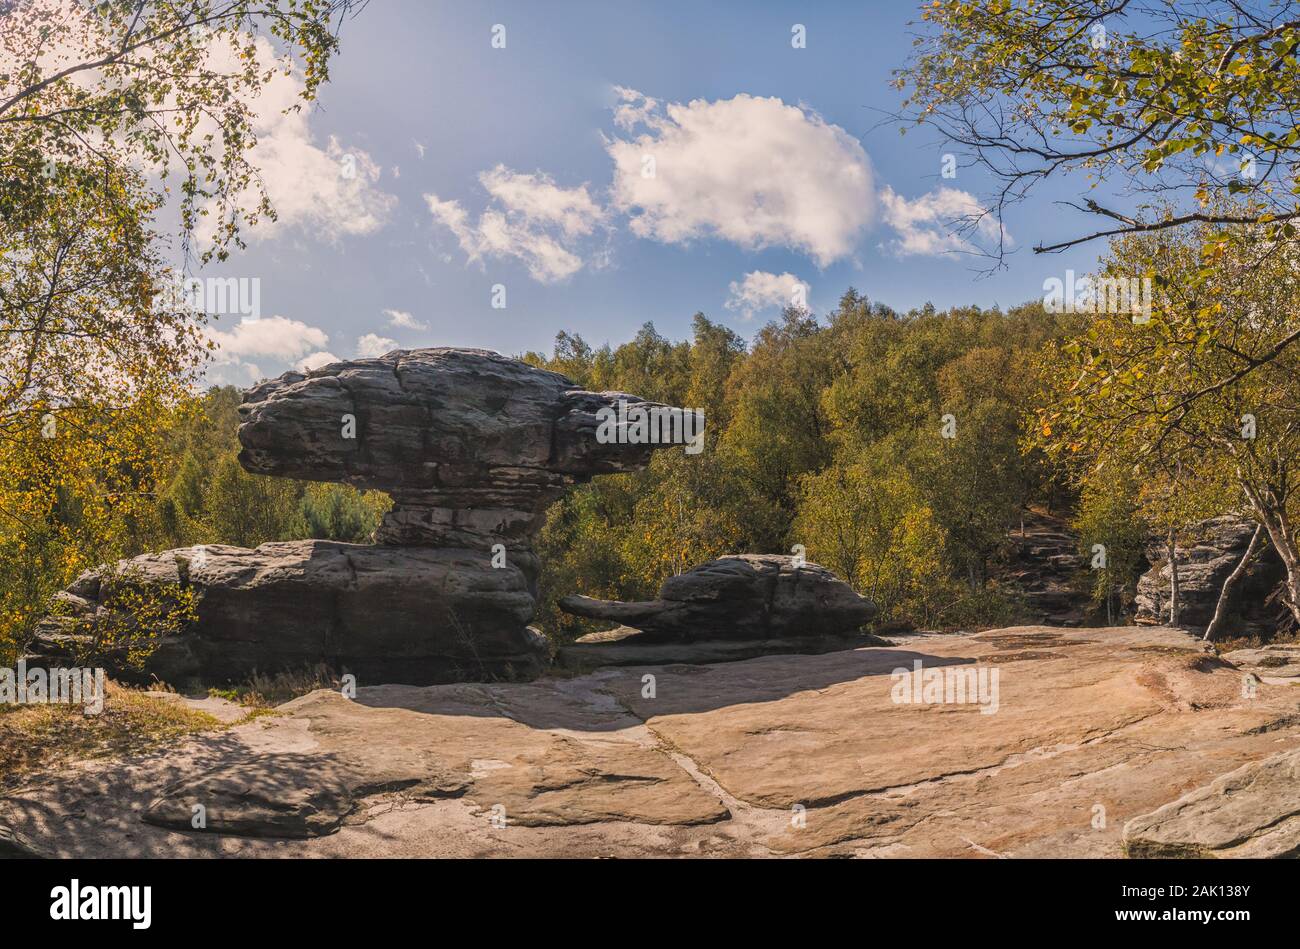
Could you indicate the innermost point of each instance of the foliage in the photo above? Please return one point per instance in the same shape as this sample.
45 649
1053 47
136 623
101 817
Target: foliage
1199 401
1110 514
825 434
113 114
1193 100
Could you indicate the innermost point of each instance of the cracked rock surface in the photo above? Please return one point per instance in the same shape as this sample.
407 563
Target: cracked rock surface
806 755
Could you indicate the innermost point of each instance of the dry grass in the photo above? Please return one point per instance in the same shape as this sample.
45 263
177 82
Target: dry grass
36 738
1255 642
263 691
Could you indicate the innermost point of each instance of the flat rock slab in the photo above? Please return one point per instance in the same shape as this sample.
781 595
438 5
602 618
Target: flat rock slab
259 796
633 648
811 755
1280 661
1251 812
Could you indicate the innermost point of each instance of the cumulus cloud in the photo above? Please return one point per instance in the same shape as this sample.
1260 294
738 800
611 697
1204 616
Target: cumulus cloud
754 171
315 361
633 109
528 218
372 345
275 338
945 221
404 320
760 290
328 190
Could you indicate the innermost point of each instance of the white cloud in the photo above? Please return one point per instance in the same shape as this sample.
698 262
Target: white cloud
315 361
633 109
753 171
305 181
945 221
330 192
274 338
372 345
759 290
404 320
529 218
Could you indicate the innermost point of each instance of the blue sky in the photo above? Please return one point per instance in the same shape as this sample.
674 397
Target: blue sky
478 166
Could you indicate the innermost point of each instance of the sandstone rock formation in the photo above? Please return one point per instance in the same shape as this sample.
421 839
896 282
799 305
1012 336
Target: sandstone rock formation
473 448
1278 662
1093 729
1253 811
1209 552
745 597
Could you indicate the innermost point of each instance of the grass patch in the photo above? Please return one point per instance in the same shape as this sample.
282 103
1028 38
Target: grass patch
264 692
35 738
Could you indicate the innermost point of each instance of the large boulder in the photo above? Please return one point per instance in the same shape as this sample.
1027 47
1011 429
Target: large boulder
473 448
1209 551
750 596
386 614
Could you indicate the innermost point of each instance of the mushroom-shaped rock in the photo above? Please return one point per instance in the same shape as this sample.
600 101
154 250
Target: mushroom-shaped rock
472 446
750 596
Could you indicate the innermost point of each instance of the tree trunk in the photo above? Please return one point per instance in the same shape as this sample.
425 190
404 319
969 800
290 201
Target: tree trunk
1286 549
1275 521
1229 585
1173 579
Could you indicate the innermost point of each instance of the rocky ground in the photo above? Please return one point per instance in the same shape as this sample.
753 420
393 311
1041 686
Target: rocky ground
1044 565
1102 739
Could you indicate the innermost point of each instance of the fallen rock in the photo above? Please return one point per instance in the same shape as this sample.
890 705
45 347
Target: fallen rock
1209 551
1253 811
745 597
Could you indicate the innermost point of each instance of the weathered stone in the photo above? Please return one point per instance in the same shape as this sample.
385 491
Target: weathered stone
625 646
1208 552
265 796
791 754
1277 661
473 448
388 614
471 445
1253 811
750 596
